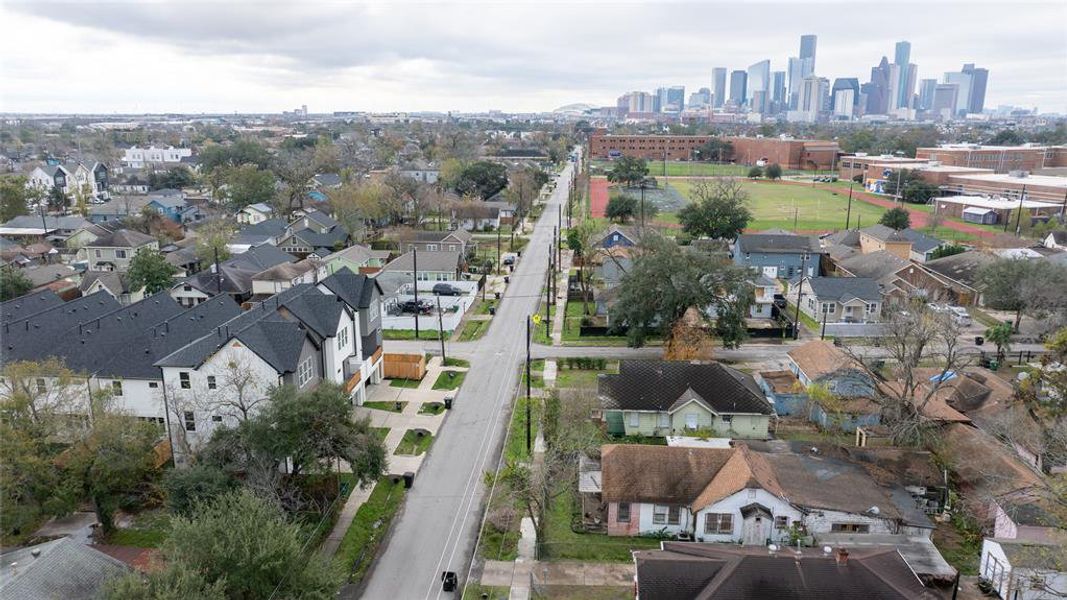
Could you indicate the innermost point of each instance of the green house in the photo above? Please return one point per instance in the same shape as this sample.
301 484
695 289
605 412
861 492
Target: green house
661 398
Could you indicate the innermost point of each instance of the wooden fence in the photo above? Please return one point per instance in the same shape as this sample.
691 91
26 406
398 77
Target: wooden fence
404 366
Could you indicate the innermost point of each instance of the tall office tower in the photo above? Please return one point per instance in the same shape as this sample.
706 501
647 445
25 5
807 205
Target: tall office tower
758 82
795 72
622 105
946 97
927 87
814 99
979 77
675 99
901 58
778 93
737 87
718 86
963 97
700 98
894 86
807 52
909 86
659 99
877 90
845 83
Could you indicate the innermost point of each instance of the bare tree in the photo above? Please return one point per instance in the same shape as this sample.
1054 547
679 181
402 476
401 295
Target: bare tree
237 391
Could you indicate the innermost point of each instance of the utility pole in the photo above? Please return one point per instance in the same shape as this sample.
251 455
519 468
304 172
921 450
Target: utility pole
529 441
498 265
548 293
800 294
822 336
415 284
1019 216
218 273
440 328
848 213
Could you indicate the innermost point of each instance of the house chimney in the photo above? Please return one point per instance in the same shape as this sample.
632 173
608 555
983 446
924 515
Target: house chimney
842 557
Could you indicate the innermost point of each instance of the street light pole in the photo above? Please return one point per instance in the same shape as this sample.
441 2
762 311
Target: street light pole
440 328
529 441
848 214
415 285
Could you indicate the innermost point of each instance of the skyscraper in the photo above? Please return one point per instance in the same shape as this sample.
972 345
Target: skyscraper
877 90
946 98
807 52
675 99
927 87
737 87
979 77
659 99
901 59
718 86
845 83
795 71
963 96
778 92
757 84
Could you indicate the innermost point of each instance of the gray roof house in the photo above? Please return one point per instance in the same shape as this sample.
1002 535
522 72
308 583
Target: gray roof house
778 256
236 275
258 234
63 568
840 299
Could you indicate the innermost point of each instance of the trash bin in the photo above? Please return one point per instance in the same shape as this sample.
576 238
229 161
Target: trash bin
507 280
448 402
409 479
979 340
449 581
994 364
497 295
492 310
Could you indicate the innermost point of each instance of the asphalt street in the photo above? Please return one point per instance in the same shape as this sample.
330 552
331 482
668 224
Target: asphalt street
438 525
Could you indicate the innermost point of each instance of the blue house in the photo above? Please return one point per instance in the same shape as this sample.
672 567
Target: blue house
168 202
778 256
853 389
784 391
618 236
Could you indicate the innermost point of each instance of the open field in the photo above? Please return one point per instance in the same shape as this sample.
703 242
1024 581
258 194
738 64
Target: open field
677 168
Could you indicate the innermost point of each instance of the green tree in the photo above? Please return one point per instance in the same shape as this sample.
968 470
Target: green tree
717 210
13 198
1007 137
628 170
175 178
774 171
175 581
150 270
913 188
1000 335
666 280
294 169
731 325
483 179
13 283
188 487
241 152
211 241
896 218
248 184
1017 285
621 208
717 149
755 172
947 250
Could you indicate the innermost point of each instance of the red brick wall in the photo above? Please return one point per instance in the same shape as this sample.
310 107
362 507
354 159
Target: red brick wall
790 154
617 528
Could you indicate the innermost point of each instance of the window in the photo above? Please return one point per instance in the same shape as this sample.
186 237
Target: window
850 528
690 420
452 247
635 419
872 308
624 513
183 380
781 522
116 388
304 372
664 420
211 382
216 418
727 419
431 247
674 515
41 387
153 385
342 339
719 523
190 420
120 254
659 514
97 253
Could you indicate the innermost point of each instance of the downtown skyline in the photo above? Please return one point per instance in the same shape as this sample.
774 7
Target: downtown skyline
201 57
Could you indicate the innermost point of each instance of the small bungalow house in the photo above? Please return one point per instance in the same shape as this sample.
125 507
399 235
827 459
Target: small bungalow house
660 398
841 299
617 235
460 241
234 276
254 213
114 251
114 283
168 202
356 258
432 266
481 216
269 231
853 389
315 233
283 276
960 271
778 256
784 392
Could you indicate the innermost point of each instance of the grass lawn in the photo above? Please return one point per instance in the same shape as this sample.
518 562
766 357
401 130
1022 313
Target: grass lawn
381 432
414 444
678 169
475 591
473 330
431 408
577 378
409 334
483 307
583 592
807 321
456 362
537 375
773 206
404 383
540 335
360 544
562 543
516 447
445 382
389 406
148 530
638 439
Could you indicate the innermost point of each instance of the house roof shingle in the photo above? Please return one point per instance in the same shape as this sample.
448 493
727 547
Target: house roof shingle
64 568
666 474
121 238
440 261
30 304
657 386
962 267
818 358
843 289
778 244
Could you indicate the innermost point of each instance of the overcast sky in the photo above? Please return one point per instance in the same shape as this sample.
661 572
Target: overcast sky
252 56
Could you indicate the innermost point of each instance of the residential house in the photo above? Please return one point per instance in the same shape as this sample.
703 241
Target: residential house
821 363
738 495
130 184
881 266
878 238
481 216
617 235
922 246
784 392
298 337
840 299
356 258
778 256
679 571
138 158
422 174
61 279
1022 516
168 202
659 398
961 271
54 229
114 251
1024 569
183 257
120 207
19 308
460 241
438 265
72 178
612 264
255 213
112 282
270 231
60 568
233 277
764 289
315 233
283 276
326 181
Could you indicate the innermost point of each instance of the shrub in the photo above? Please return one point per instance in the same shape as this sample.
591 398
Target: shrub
755 172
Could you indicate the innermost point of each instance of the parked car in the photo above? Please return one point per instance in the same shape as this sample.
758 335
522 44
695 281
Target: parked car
509 259
412 306
779 301
445 289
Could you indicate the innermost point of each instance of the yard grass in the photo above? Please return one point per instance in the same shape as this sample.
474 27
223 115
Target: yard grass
431 408
537 374
961 549
404 383
563 543
484 306
413 444
577 378
473 330
456 362
675 168
583 592
371 523
409 334
475 591
381 432
387 406
149 530
805 319
449 380
516 446
540 334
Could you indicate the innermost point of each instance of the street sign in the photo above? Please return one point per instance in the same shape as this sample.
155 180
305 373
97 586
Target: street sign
536 319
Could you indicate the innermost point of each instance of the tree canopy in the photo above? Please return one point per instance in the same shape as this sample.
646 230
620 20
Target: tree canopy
150 270
621 208
913 188
248 184
628 170
13 283
12 198
482 179
896 218
239 153
717 210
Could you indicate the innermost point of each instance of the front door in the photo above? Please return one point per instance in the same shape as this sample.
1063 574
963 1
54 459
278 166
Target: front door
756 527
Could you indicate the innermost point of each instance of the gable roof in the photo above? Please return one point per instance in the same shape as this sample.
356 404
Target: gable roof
745 469
24 306
259 207
64 568
121 238
778 244
461 235
665 474
843 289
357 290
874 265
358 254
238 270
920 242
883 233
260 233
962 267
436 261
286 271
657 385
818 358
26 338
629 233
